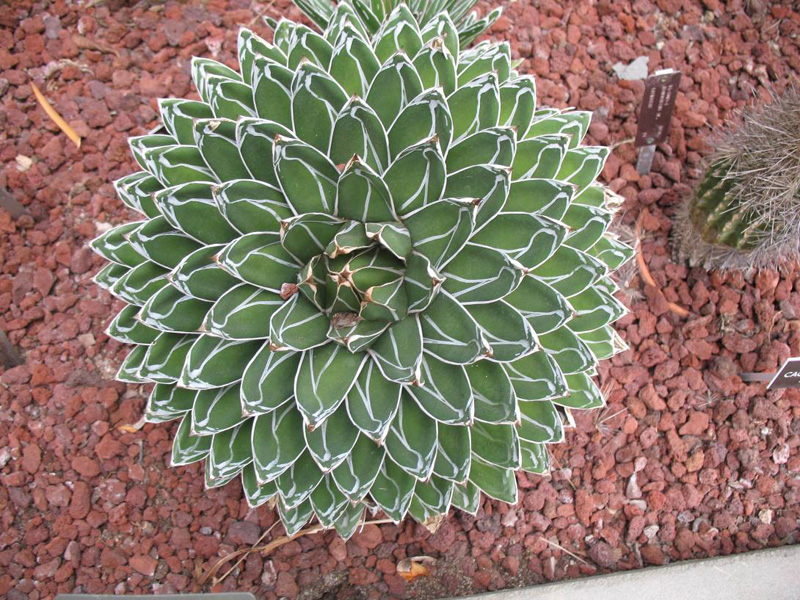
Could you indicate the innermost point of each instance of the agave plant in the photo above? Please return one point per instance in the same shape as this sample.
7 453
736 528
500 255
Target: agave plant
370 272
746 210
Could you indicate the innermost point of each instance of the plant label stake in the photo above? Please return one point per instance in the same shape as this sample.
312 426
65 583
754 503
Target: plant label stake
788 376
660 91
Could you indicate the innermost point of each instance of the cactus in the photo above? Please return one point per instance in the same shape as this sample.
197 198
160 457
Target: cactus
745 212
369 273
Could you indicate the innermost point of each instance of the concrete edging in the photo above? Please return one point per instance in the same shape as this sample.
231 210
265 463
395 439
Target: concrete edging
772 574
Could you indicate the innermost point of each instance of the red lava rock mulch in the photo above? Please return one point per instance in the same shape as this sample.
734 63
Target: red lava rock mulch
685 462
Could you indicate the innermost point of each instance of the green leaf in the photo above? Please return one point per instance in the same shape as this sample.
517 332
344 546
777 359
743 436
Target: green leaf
588 224
333 440
357 473
583 393
506 331
130 369
541 305
140 284
295 518
571 354
109 275
328 501
417 177
307 177
162 244
170 310
535 458
449 332
362 195
395 85
357 337
545 197
536 377
216 410
540 157
574 123
126 328
475 106
496 444
445 393
611 252
252 206
230 453
204 69
431 499
216 140
250 47
165 357
299 480
398 351
255 492
424 117
358 132
398 32
198 275
276 442
372 402
268 380
487 184
518 104
243 313
422 282
385 302
298 325
353 63
479 274
393 490
436 66
581 166
495 399
351 237
528 239
495 482
230 99
114 245
441 25
439 231
307 235
393 236
214 362
325 377
570 271
316 101
453 456
260 259
467 498
136 191
487 59
168 402
178 117
596 308
191 208
309 45
411 442
188 448
272 95
141 145
540 422
255 139
495 145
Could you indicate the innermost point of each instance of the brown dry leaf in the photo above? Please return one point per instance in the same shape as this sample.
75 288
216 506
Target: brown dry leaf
132 427
416 566
86 44
57 119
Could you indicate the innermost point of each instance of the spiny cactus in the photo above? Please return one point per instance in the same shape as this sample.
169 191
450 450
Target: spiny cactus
746 210
370 272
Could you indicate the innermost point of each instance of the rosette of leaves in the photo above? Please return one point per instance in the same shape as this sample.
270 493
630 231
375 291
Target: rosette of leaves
369 273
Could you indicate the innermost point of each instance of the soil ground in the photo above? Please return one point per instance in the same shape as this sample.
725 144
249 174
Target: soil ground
686 461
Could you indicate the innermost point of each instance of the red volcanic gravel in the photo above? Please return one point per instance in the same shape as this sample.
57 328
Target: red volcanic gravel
686 461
